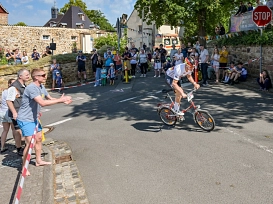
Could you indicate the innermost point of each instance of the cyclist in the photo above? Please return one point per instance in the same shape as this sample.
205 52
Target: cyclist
173 76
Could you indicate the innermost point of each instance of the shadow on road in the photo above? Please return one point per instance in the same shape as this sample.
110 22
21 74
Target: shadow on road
229 105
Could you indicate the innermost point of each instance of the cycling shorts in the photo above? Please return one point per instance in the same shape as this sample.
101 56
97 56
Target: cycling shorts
169 81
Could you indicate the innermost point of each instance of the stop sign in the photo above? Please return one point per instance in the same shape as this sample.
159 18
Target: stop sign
262 15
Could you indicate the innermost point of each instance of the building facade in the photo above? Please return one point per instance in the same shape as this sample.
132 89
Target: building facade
3 15
139 32
28 38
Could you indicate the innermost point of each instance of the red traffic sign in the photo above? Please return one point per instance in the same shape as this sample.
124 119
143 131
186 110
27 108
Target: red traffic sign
262 15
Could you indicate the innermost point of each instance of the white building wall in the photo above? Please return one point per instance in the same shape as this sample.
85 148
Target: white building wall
134 21
135 37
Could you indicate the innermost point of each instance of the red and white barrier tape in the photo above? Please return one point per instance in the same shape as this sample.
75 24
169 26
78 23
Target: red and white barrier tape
24 172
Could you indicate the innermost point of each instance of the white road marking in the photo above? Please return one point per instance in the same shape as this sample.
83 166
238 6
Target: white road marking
265 148
59 122
117 90
127 99
154 97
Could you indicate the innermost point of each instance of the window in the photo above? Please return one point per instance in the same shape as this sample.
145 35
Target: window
46 37
74 38
79 25
81 15
63 25
52 24
140 28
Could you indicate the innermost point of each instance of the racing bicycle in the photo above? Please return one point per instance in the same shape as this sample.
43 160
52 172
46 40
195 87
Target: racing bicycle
201 117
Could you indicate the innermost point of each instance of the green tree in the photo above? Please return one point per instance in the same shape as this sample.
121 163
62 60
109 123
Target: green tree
20 24
198 17
110 40
95 16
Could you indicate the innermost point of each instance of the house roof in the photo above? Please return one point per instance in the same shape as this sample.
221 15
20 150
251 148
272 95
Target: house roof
72 18
2 8
59 17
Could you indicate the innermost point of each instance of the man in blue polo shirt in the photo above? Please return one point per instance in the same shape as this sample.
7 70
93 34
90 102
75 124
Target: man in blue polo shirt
80 59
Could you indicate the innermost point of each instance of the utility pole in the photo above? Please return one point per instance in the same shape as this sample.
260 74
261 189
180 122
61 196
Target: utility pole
142 27
118 32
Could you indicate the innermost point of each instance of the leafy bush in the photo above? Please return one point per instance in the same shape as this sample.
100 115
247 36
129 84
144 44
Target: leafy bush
248 38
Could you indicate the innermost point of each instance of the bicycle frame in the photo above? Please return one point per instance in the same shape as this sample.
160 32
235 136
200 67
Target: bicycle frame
191 106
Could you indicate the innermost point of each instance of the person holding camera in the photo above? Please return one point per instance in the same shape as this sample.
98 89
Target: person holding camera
178 57
35 55
94 59
81 59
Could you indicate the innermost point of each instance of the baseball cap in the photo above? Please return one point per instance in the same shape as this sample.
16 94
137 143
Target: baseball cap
80 51
57 72
111 64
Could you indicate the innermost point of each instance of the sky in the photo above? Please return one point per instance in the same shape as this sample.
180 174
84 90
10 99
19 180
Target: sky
38 12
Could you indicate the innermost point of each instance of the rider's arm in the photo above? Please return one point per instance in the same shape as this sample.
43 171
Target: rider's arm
196 85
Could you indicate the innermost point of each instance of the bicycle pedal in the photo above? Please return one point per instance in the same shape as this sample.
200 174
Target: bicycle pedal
181 118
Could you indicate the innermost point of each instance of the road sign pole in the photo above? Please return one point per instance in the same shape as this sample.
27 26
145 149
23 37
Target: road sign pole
261 16
261 52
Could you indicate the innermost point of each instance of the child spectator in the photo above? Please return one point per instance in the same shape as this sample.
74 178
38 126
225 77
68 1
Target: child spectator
157 63
250 7
236 73
111 74
103 76
59 81
264 81
54 68
228 72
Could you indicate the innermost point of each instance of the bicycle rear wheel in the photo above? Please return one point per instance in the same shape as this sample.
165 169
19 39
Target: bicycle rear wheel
167 116
204 120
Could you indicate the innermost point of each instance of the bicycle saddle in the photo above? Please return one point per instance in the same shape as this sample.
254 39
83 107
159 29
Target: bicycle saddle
166 90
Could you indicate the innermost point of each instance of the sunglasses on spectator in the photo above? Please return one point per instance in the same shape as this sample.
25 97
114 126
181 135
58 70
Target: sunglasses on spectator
42 75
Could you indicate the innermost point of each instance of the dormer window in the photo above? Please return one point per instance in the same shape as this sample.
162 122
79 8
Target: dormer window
52 24
79 25
63 25
82 16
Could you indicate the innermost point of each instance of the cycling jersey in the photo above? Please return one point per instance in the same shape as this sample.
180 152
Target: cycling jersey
178 71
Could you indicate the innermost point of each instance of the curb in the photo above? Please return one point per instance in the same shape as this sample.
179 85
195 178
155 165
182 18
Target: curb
48 192
65 181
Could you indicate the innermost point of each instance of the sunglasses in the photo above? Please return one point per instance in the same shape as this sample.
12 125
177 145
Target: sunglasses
42 75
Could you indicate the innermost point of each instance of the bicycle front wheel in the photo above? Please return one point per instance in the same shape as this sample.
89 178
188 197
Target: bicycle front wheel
167 116
204 120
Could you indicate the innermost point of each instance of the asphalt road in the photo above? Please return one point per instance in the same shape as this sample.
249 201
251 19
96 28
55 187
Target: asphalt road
126 155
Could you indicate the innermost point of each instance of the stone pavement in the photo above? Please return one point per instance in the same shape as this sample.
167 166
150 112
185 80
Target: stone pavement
57 183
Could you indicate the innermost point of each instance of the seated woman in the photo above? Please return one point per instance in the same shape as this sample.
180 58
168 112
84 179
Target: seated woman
264 81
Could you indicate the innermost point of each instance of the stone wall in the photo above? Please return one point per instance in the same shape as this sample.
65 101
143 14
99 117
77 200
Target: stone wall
69 71
246 53
27 38
3 18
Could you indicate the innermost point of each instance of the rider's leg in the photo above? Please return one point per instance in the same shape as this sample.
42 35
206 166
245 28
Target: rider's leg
178 98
